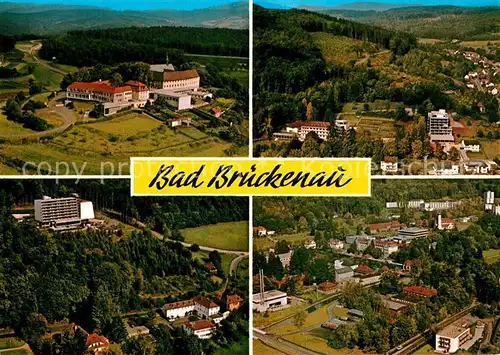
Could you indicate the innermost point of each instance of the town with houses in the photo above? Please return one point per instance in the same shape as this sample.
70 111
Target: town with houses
368 261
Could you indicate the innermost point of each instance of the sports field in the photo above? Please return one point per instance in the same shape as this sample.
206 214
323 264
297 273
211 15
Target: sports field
229 235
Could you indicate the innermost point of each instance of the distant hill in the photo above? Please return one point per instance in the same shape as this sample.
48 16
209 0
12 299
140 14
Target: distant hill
53 19
358 6
444 22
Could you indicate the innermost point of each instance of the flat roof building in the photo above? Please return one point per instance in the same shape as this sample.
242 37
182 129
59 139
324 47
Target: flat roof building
269 300
63 212
451 338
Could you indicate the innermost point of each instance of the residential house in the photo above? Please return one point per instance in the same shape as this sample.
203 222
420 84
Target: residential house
302 128
96 344
310 244
205 307
420 291
470 145
364 269
327 287
233 302
260 231
389 164
203 328
335 244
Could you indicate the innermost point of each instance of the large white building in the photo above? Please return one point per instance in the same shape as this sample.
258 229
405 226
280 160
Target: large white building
302 128
439 126
269 300
203 328
202 305
140 92
450 339
63 212
175 80
101 91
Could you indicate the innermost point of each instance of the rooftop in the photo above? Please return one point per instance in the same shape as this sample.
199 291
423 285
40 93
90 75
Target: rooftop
268 295
319 124
205 302
420 290
180 75
100 86
455 330
200 324
176 305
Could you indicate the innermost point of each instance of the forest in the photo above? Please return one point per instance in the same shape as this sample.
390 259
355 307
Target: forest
151 45
93 277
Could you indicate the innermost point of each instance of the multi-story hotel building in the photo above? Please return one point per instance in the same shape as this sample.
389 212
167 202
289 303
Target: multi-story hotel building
140 92
302 128
176 80
101 91
451 338
203 328
202 305
439 126
63 212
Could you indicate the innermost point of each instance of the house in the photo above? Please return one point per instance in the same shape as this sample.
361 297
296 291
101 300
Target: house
335 244
302 128
202 328
135 330
285 258
178 121
470 145
409 265
395 308
446 168
384 268
389 164
364 269
175 80
327 287
259 231
233 302
216 111
205 307
342 125
345 273
179 309
310 244
445 223
385 226
211 268
419 291
387 246
101 91
140 92
96 344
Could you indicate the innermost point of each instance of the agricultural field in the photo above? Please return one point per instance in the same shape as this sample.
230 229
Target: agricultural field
229 235
337 49
479 44
317 341
491 256
264 244
377 105
377 126
261 348
113 141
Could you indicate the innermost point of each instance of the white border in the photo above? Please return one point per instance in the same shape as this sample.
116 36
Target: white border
132 180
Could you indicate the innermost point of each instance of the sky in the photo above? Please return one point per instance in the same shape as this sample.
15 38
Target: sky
295 3
135 4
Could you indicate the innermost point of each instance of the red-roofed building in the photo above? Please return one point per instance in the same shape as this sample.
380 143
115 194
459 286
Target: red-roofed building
205 307
96 344
260 231
233 302
386 226
216 111
203 328
384 268
327 286
364 269
420 291
210 268
445 223
302 128
101 91
140 91
176 80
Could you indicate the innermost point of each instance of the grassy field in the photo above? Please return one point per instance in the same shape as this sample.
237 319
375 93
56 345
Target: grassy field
240 348
225 259
260 320
377 126
320 315
491 256
336 49
317 343
8 128
263 244
376 105
261 348
8 343
219 61
102 144
229 235
479 44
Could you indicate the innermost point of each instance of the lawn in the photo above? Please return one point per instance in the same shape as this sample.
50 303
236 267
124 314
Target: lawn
50 116
318 344
263 244
491 256
225 259
8 343
240 348
320 315
8 128
377 126
228 235
261 321
479 44
376 105
49 79
262 349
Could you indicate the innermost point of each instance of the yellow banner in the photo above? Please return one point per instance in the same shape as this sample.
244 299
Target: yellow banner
248 176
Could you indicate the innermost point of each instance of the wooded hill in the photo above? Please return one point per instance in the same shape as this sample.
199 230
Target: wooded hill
151 44
445 22
18 18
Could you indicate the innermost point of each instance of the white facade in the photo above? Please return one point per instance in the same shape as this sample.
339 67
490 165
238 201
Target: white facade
451 338
336 244
342 124
470 146
489 197
201 328
271 299
446 169
62 211
180 309
310 244
181 101
389 167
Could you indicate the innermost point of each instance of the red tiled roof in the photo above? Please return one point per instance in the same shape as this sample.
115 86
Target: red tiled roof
210 267
180 75
387 225
384 268
205 302
298 124
447 221
364 269
327 285
180 304
259 228
420 290
137 84
100 86
233 299
216 109
200 324
95 338
390 159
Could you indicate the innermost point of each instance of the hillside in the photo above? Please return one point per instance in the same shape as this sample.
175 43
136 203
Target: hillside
51 19
447 22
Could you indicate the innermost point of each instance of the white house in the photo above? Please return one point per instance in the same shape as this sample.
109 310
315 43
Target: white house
179 309
477 167
302 128
203 328
389 164
446 168
205 307
310 244
470 146
335 244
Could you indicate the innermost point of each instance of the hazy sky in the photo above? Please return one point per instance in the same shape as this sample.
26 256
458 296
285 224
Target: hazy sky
295 3
135 4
